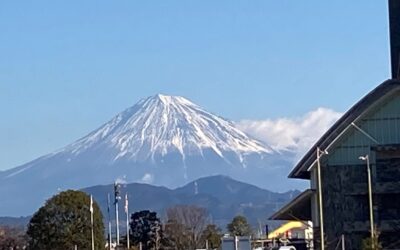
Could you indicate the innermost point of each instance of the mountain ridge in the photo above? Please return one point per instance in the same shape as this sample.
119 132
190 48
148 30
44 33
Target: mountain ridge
222 196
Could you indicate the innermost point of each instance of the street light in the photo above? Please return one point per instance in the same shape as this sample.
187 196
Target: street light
371 213
321 215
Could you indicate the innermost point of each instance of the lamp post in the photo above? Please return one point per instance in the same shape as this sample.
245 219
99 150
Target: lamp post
321 215
371 213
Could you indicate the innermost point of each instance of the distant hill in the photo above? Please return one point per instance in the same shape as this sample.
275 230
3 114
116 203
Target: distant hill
222 196
15 221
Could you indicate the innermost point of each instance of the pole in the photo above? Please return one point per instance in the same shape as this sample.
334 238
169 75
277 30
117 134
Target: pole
236 243
91 220
92 233
321 216
371 211
117 197
127 231
109 222
116 221
127 220
343 243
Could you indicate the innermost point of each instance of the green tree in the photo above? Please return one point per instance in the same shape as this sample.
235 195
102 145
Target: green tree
212 234
146 228
239 226
64 221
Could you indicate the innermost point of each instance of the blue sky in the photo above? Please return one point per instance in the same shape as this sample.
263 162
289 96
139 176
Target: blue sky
66 67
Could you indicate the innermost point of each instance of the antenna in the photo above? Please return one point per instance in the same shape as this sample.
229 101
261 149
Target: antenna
117 196
196 188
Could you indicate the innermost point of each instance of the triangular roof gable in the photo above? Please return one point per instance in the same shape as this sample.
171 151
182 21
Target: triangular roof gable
387 87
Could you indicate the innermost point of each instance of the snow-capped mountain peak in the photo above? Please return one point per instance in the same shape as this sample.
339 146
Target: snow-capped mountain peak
162 124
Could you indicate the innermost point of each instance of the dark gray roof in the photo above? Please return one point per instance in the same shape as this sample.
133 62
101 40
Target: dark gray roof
297 209
300 170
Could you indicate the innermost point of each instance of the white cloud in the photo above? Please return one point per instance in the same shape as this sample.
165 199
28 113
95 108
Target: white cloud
297 134
148 178
121 180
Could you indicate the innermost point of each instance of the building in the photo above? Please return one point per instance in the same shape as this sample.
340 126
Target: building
370 128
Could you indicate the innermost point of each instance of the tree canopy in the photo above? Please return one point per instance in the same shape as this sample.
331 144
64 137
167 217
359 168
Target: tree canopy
12 237
146 228
64 221
185 225
212 235
239 226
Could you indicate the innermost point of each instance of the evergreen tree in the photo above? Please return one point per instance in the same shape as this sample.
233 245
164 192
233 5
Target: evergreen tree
64 221
212 234
146 228
239 226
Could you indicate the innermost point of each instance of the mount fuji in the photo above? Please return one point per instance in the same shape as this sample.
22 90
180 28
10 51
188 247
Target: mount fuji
161 140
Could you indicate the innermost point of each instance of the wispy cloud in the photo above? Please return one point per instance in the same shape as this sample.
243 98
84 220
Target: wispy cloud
121 180
297 134
147 178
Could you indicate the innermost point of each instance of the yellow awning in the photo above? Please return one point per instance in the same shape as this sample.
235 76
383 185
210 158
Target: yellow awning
284 228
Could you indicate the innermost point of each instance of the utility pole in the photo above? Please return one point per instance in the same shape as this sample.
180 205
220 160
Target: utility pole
127 220
109 222
117 197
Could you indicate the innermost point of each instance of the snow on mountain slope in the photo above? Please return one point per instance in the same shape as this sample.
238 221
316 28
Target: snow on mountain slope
164 140
161 124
